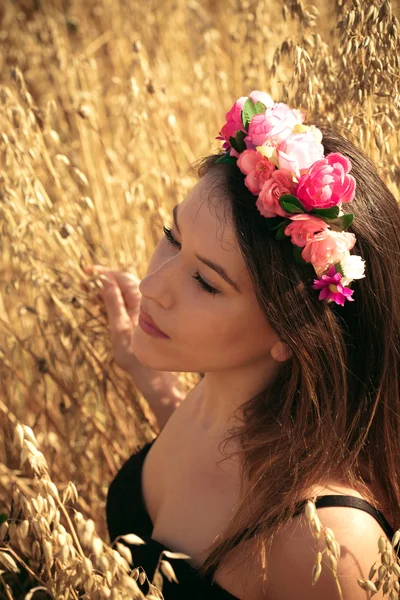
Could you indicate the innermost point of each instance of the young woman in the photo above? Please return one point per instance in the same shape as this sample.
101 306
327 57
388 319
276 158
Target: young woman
253 286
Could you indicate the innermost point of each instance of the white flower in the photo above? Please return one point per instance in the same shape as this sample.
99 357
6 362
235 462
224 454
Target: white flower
317 133
353 266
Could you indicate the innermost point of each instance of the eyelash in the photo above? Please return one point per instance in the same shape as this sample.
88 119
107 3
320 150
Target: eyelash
202 283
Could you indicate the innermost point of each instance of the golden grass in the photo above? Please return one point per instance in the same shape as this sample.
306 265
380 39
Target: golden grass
104 105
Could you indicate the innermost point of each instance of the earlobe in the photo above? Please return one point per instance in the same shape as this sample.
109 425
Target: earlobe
281 352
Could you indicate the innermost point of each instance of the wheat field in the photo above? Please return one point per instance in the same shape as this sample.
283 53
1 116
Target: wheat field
104 105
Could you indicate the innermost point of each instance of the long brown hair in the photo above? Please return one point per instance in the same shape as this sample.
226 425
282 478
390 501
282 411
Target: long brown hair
332 413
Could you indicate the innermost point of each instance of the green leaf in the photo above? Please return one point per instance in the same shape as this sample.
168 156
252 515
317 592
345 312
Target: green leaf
283 225
240 140
339 269
344 221
297 255
292 199
237 142
280 230
273 222
3 518
232 142
250 108
260 108
347 220
291 204
280 235
290 208
329 213
226 158
340 223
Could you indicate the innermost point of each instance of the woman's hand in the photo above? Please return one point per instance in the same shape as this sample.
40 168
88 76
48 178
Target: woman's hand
120 294
121 297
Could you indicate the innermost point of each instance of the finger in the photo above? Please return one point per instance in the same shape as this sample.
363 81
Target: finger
107 279
118 317
89 269
95 268
129 285
122 277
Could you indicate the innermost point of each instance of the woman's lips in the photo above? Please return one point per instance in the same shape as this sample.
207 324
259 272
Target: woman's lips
148 325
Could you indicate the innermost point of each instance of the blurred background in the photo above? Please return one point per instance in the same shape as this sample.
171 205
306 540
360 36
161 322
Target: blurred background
104 105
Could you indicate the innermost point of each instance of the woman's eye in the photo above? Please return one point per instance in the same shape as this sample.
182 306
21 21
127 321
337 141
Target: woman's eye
205 285
170 237
202 283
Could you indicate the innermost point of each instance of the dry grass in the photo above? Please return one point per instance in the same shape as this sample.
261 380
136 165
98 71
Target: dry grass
57 546
104 105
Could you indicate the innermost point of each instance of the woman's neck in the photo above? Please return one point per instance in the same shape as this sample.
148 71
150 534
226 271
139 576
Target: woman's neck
224 393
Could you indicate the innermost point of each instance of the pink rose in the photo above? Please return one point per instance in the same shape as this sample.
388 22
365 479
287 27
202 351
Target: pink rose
280 183
303 228
257 168
328 248
274 126
233 122
299 151
327 183
234 117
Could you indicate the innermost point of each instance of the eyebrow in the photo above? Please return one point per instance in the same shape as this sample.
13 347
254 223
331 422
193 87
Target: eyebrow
217 268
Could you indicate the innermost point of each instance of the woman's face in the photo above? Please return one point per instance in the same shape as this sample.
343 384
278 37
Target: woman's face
207 331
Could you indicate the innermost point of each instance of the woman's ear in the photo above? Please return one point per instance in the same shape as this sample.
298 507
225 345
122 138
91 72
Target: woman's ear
280 352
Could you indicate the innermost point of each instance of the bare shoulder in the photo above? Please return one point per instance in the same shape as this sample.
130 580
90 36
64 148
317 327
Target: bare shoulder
285 572
294 551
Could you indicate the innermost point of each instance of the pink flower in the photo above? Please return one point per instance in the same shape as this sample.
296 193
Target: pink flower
275 125
327 183
280 183
327 247
303 228
263 97
234 118
331 288
299 151
233 122
257 168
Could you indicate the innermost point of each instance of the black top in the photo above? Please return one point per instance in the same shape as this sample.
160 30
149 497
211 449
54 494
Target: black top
126 513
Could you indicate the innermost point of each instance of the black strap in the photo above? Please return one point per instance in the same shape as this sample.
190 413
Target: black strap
354 502
350 501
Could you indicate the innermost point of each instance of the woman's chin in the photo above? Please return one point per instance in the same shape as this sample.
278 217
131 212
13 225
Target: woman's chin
144 347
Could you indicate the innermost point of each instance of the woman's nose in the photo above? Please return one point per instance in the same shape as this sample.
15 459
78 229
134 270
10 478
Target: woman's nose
157 283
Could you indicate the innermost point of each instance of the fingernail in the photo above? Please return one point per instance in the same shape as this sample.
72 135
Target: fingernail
106 280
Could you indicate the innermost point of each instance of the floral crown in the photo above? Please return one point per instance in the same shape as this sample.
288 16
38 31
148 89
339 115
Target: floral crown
298 189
